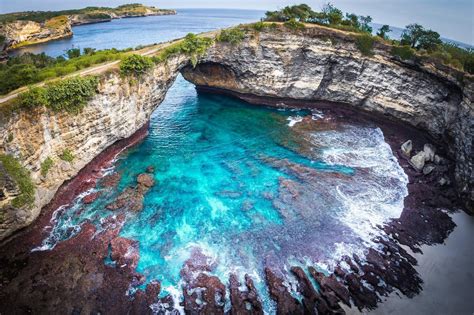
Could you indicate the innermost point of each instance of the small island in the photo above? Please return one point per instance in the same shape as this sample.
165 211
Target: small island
32 27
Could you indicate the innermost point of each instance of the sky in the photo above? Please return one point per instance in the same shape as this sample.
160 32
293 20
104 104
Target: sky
453 19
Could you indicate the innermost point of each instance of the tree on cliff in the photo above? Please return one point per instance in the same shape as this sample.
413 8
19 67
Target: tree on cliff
416 36
301 12
383 31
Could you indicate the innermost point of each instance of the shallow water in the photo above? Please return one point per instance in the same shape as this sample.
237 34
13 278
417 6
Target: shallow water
250 187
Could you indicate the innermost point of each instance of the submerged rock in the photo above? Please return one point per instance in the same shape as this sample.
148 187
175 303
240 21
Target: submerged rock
111 180
125 252
145 180
132 197
90 198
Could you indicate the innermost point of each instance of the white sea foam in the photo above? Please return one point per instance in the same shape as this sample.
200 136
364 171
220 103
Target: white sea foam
293 120
380 183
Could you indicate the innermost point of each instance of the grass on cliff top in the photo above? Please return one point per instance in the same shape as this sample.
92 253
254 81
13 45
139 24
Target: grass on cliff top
56 22
29 68
192 45
22 178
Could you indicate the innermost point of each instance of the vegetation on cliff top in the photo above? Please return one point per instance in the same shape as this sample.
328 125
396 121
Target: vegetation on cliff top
29 68
192 45
415 42
90 12
135 65
22 178
232 35
57 22
70 95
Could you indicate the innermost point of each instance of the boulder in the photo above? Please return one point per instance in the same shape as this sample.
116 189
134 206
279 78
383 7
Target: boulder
443 181
429 151
428 169
418 161
438 159
407 147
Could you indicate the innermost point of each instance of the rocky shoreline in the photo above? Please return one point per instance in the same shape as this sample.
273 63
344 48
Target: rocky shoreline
83 283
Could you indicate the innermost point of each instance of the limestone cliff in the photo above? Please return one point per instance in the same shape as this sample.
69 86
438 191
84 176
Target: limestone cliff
273 66
21 33
120 108
278 66
106 16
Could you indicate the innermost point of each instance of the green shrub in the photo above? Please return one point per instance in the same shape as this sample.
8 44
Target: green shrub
404 52
46 166
34 97
98 16
10 137
71 94
233 36
258 26
192 45
294 24
30 68
365 43
89 51
67 156
135 65
73 53
22 178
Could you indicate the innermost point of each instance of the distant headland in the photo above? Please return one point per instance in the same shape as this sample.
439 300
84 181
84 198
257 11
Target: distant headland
32 27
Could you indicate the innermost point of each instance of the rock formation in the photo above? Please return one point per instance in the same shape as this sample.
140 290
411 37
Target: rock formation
22 33
121 107
274 66
299 68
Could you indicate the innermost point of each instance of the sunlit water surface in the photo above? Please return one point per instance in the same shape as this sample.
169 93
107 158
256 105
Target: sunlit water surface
249 187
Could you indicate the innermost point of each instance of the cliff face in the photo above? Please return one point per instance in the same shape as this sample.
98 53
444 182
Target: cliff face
99 17
275 66
121 107
20 33
318 64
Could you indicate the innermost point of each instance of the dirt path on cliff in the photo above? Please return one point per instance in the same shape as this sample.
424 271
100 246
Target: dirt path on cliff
102 67
94 70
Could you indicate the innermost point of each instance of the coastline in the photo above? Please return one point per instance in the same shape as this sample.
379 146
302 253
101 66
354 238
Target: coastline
18 247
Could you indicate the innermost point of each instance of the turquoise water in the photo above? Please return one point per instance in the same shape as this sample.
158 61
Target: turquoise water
250 187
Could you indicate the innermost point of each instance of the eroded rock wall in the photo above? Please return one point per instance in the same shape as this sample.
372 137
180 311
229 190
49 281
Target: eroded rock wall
28 32
121 107
319 64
